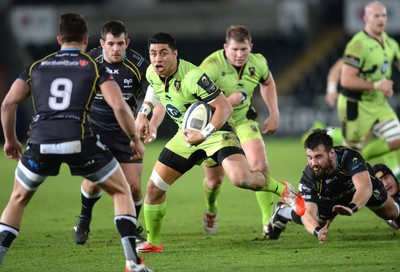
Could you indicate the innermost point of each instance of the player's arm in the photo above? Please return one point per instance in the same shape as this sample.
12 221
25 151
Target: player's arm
222 111
18 92
333 80
113 96
349 79
148 129
268 93
363 185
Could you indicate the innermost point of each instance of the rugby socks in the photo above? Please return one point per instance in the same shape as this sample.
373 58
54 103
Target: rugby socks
273 186
88 202
138 207
154 215
211 198
7 236
287 214
375 148
266 202
126 225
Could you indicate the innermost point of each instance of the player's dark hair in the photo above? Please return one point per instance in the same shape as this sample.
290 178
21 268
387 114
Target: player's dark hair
72 27
116 28
319 137
238 33
163 38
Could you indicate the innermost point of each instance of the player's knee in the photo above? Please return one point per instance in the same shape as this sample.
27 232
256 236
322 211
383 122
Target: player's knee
90 188
156 188
242 181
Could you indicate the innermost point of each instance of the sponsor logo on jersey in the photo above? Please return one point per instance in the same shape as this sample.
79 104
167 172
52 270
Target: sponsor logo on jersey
83 63
331 179
59 63
173 111
112 71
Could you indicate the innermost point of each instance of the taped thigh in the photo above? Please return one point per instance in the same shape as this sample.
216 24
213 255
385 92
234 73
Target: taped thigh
389 130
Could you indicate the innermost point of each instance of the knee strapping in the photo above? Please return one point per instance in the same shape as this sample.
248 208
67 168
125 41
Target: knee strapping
158 181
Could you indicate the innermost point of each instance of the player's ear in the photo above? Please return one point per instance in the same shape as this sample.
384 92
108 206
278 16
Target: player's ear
128 41
59 39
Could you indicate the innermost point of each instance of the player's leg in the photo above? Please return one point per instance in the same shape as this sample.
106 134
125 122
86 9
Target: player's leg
155 205
125 216
214 176
11 217
133 173
107 174
257 159
90 194
238 171
26 182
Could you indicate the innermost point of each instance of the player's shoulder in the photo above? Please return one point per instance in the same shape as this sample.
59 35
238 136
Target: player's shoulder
136 58
214 57
188 70
96 53
257 57
392 42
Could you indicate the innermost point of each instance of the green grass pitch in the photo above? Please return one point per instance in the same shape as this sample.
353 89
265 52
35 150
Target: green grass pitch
362 242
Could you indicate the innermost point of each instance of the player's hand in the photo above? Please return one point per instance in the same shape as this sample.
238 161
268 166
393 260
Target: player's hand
13 149
271 124
342 210
331 98
193 137
323 232
385 86
152 135
142 126
236 98
137 148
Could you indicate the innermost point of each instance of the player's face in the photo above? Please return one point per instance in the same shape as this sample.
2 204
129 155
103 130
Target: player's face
375 18
390 184
163 59
320 161
237 53
114 48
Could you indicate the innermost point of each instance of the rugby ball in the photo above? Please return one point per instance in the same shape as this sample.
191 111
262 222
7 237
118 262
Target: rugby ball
197 116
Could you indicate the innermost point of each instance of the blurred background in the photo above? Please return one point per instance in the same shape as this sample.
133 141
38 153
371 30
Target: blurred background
301 39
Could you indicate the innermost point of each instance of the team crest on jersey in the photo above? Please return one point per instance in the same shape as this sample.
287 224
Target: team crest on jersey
177 85
83 63
252 71
206 84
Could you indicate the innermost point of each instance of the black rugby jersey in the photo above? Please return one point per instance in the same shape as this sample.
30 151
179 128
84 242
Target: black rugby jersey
63 86
130 76
338 187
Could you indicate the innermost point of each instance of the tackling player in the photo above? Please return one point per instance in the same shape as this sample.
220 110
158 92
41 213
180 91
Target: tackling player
336 180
